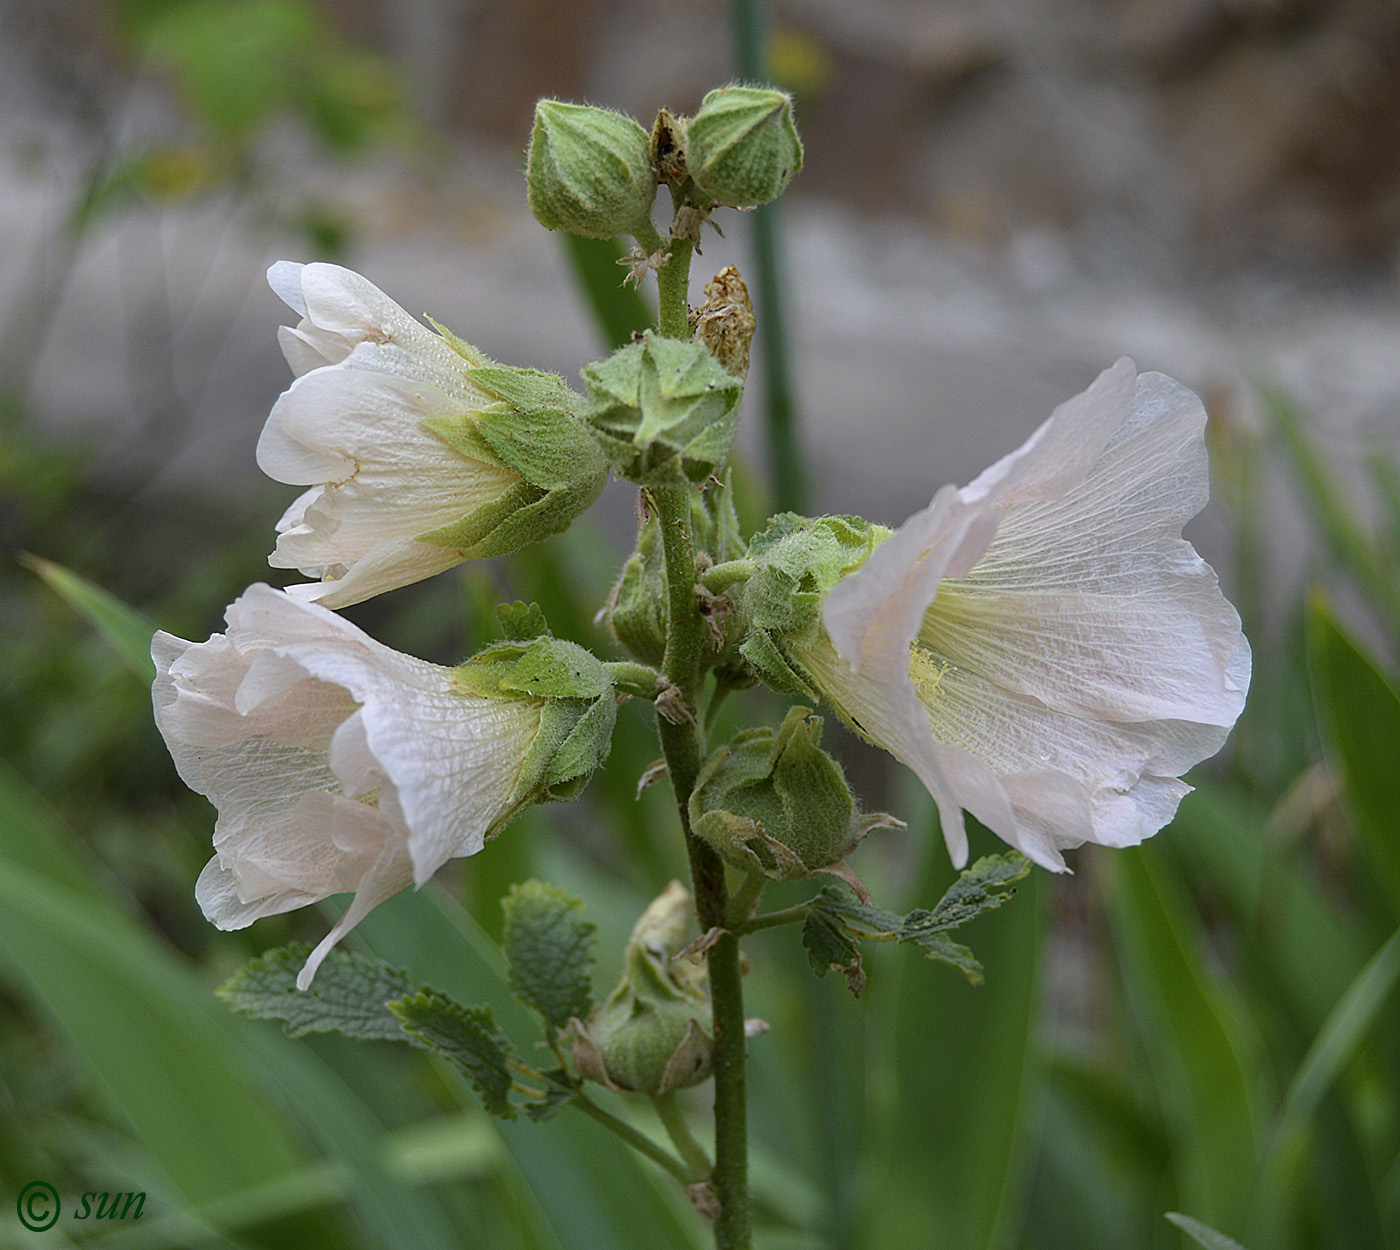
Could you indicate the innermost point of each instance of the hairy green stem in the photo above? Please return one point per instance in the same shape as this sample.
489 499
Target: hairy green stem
672 1119
683 747
673 287
770 920
745 899
637 1140
633 678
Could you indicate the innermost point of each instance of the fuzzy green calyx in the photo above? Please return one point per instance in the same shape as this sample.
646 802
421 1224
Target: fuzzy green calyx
654 1032
531 430
589 171
773 802
797 562
663 410
742 148
578 707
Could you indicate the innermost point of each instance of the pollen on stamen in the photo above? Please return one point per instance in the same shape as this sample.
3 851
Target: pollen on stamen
925 672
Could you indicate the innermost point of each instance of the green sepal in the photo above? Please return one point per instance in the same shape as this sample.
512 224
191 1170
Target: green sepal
772 668
468 1037
576 719
742 148
653 1033
472 355
530 431
540 667
585 739
663 410
549 953
522 622
349 994
797 562
530 390
773 802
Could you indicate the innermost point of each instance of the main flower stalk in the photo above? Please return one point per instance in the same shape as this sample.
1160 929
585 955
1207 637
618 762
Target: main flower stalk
683 748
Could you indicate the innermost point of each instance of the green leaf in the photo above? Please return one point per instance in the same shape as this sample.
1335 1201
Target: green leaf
349 994
984 886
1359 716
1201 1234
468 1037
980 888
829 949
559 1092
549 949
123 626
521 622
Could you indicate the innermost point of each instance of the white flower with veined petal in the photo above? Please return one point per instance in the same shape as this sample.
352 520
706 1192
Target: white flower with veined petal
355 427
1042 647
336 764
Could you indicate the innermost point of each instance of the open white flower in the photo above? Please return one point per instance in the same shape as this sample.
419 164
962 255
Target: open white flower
383 423
1042 647
335 763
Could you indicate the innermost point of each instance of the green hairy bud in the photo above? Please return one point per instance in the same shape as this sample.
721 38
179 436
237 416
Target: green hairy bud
773 802
654 1032
742 148
663 410
589 171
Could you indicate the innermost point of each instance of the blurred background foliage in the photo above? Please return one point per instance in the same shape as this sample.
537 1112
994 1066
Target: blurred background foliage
1209 1024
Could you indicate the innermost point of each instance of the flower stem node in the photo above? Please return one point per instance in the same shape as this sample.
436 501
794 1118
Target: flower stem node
742 148
654 1032
577 709
775 803
589 171
663 410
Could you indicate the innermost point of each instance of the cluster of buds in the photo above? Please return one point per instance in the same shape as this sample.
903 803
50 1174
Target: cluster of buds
593 172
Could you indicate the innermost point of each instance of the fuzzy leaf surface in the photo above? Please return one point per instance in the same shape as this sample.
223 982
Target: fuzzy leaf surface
349 994
466 1036
549 950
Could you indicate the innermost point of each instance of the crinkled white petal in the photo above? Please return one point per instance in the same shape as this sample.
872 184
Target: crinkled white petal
1075 655
385 480
352 427
351 321
336 764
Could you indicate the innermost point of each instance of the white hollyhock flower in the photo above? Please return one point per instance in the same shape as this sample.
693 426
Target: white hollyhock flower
352 428
336 764
1041 646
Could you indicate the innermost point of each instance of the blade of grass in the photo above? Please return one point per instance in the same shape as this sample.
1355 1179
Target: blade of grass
1358 713
1190 1027
124 627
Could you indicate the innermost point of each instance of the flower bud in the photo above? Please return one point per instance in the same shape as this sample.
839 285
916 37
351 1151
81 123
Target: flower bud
777 804
654 1032
742 148
664 411
589 171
